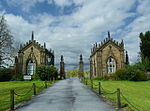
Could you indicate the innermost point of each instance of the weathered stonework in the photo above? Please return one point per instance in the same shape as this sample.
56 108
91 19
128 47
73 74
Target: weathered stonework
33 52
107 57
62 68
81 67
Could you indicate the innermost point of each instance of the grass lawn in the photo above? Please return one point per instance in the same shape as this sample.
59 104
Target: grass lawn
138 93
20 87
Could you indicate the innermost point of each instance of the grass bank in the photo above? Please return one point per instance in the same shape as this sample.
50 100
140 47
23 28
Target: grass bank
21 88
137 93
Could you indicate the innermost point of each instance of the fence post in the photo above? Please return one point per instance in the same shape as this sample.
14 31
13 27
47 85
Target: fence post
91 83
99 88
34 89
45 84
12 99
118 98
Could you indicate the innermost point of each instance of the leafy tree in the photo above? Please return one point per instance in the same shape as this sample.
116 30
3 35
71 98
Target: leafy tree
86 74
6 74
72 73
5 42
17 77
46 72
134 72
145 45
75 73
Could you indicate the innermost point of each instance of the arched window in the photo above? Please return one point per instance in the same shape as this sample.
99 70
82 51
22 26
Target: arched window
111 65
31 67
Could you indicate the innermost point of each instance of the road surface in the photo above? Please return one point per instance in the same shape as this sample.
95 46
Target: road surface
67 95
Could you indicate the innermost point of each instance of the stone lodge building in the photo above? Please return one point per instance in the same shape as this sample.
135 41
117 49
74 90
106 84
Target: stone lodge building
107 57
32 54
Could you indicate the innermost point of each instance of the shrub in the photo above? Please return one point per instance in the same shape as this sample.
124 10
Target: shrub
98 78
132 73
135 74
121 74
46 72
17 77
6 74
72 73
35 77
109 76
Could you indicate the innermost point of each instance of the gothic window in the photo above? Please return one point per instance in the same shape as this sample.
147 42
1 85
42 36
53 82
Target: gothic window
31 67
111 65
49 59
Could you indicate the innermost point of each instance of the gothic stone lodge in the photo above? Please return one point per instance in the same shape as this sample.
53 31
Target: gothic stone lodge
32 54
107 57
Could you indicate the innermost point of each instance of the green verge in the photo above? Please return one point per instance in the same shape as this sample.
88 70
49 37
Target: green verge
137 93
21 88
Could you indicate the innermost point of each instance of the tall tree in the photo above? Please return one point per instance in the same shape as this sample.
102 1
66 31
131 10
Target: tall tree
6 40
127 59
145 45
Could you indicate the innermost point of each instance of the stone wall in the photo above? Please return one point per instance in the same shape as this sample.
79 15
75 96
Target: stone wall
100 55
27 52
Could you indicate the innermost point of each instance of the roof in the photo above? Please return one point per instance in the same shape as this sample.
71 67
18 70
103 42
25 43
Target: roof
34 43
105 43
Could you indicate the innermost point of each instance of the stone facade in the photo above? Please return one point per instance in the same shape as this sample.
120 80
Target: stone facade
32 54
107 57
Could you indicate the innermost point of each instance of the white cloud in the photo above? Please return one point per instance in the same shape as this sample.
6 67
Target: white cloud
140 24
144 7
26 5
71 35
63 3
20 28
2 12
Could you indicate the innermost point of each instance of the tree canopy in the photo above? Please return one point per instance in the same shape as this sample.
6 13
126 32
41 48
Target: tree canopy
6 41
46 72
145 45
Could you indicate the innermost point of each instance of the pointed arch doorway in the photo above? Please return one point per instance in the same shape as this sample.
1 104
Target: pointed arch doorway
111 65
31 67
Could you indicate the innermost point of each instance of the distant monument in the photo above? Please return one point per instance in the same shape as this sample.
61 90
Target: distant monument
81 67
107 57
62 68
32 54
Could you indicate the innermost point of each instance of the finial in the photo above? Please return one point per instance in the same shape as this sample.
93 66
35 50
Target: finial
32 36
122 42
44 45
16 59
99 45
62 59
96 44
127 58
80 57
20 46
108 34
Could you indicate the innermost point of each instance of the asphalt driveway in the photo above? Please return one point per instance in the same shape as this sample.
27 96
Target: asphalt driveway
67 95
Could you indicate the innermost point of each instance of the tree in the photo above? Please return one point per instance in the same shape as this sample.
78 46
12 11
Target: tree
72 73
6 40
46 72
6 74
145 45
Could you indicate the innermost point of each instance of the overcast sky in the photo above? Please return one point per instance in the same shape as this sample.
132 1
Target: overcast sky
71 27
